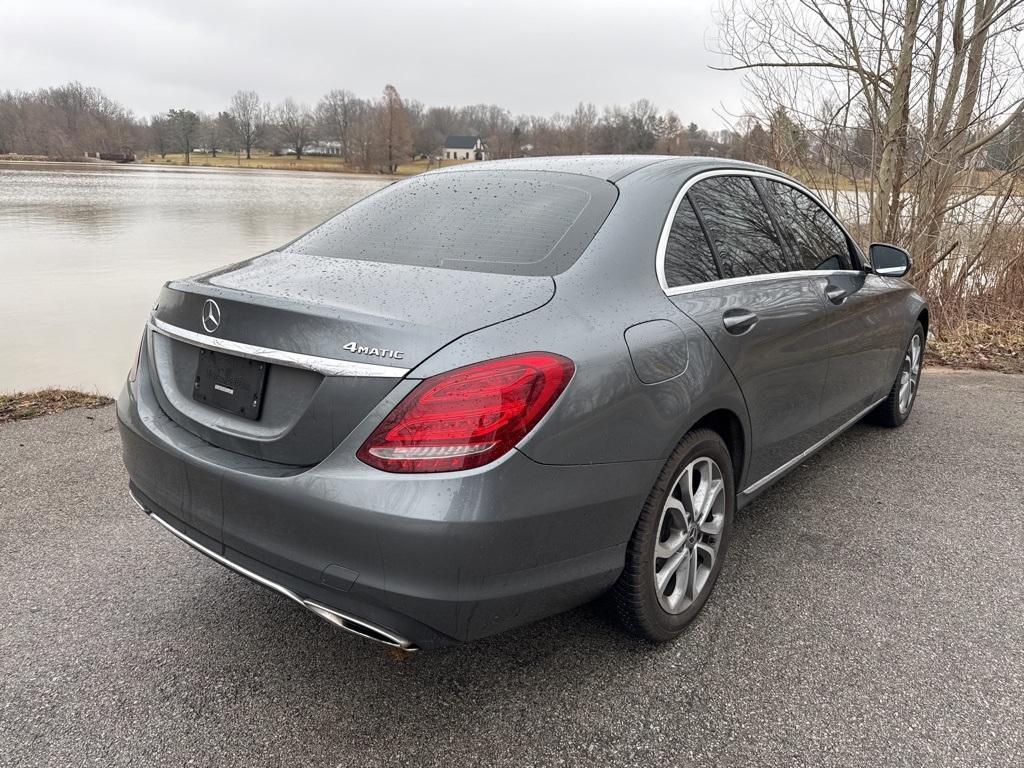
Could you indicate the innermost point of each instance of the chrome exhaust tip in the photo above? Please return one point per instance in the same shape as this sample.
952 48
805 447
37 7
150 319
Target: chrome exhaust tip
359 627
350 624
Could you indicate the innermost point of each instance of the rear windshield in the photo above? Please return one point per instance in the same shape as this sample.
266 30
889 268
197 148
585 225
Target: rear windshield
512 222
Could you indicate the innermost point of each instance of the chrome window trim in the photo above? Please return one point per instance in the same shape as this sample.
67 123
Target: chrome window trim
327 366
804 454
667 228
766 278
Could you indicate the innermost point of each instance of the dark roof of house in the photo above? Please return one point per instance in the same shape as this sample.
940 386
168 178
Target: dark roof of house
461 142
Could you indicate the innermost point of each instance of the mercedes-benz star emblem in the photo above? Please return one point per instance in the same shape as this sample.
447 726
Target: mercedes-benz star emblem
211 316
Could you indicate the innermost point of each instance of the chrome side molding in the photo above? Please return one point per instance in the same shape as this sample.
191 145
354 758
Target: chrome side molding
800 457
351 624
328 366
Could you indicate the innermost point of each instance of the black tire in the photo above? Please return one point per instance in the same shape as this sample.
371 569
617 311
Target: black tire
890 412
635 596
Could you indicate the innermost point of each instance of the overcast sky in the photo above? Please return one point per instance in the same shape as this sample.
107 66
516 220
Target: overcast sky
528 56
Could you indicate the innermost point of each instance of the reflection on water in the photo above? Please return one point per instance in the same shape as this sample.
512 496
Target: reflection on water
83 254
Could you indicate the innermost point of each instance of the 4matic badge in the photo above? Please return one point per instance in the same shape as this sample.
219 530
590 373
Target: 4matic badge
360 349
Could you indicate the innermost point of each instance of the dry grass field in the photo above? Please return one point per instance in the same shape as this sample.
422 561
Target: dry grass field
267 161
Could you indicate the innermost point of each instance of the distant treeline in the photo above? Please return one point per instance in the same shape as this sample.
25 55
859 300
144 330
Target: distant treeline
68 121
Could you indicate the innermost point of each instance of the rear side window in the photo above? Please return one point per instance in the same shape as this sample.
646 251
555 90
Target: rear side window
688 257
739 226
815 238
512 222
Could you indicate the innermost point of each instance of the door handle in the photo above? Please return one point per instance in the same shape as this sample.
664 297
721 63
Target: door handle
835 294
739 321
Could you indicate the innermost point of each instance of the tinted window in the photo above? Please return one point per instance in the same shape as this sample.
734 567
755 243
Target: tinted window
739 226
512 222
816 240
688 257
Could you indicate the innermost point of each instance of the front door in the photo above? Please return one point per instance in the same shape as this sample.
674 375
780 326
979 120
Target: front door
863 326
866 335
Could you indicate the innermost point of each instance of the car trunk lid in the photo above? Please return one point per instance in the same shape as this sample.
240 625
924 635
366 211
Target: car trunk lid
335 335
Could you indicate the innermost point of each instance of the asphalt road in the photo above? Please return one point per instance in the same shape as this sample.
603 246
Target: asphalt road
871 612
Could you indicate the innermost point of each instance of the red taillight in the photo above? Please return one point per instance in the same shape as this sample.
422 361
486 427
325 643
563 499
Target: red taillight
134 372
467 417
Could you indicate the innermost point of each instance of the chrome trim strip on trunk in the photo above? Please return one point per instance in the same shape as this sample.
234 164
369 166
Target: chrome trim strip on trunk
797 459
327 366
350 624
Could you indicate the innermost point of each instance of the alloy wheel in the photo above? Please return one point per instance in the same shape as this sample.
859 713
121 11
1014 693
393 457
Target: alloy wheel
910 374
689 535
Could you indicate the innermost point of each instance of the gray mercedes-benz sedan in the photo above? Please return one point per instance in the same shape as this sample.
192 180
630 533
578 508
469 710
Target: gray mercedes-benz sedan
494 392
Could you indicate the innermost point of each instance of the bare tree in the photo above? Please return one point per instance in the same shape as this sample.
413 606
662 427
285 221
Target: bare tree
160 134
250 118
938 82
215 131
671 138
924 87
295 125
185 125
363 135
582 125
397 132
335 115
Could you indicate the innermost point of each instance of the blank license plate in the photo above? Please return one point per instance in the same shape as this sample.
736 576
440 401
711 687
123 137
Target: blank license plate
233 384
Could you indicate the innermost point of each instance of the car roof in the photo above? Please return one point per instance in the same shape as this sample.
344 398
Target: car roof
607 167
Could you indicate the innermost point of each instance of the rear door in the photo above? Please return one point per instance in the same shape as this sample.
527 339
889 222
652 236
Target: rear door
864 324
766 319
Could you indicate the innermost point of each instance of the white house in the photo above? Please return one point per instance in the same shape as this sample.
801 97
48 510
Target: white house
464 148
323 148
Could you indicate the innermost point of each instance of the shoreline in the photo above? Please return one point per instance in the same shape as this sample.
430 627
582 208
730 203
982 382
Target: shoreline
21 406
143 167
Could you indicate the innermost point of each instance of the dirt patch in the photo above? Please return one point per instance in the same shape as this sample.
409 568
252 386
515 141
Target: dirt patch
29 405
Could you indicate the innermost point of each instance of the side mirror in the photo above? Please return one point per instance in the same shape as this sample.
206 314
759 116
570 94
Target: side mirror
889 260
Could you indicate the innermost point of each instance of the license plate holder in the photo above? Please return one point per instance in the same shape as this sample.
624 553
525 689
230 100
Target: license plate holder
230 383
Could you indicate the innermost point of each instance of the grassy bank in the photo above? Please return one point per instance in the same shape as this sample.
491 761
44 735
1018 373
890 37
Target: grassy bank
990 346
266 161
263 161
29 405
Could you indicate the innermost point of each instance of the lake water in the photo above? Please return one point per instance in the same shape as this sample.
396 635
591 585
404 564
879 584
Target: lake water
83 253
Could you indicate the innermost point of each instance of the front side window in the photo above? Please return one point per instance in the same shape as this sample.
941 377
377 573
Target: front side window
688 257
740 228
815 238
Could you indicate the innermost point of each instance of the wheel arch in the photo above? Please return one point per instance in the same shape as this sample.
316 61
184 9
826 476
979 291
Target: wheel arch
923 319
727 425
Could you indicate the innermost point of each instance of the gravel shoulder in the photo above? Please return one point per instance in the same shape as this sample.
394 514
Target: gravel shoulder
869 613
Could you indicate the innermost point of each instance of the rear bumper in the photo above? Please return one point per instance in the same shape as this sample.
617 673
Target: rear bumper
424 560
349 623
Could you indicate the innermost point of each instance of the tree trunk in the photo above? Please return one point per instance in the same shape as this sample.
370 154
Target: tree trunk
890 161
